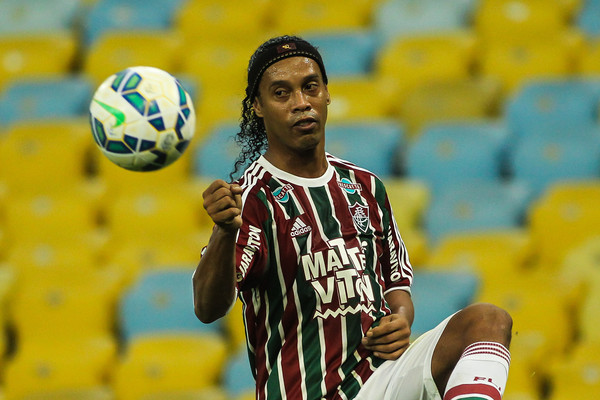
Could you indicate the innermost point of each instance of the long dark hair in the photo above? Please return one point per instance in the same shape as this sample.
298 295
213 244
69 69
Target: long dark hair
252 137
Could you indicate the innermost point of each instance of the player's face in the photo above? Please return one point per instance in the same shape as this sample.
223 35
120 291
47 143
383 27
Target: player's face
293 102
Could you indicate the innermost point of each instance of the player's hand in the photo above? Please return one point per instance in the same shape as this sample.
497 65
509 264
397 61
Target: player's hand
223 203
390 338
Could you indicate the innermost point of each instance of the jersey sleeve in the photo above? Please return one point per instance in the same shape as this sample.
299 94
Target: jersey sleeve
395 264
251 243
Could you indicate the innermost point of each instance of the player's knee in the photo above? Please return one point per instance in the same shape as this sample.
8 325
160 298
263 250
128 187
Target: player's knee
489 321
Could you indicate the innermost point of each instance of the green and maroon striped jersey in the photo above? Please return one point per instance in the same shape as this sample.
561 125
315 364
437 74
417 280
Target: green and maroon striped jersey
314 259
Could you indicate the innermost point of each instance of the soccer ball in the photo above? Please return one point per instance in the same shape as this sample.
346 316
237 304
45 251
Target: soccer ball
142 118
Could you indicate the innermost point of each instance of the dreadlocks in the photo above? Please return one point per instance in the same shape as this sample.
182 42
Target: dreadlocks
252 137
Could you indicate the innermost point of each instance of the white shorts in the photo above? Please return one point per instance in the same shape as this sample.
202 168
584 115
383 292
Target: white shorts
409 377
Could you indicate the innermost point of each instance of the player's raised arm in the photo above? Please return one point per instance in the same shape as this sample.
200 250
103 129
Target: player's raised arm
214 278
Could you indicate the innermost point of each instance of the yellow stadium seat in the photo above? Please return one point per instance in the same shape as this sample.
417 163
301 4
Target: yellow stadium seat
448 101
563 220
513 63
169 363
588 60
580 269
206 22
234 326
116 51
51 218
209 393
524 296
589 318
95 393
408 62
316 15
578 375
409 199
527 366
357 98
36 55
492 254
44 156
67 367
520 20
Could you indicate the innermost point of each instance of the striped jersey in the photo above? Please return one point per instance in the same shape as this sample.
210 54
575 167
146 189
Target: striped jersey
314 258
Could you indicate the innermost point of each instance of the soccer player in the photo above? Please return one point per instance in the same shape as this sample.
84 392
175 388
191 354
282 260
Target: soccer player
310 245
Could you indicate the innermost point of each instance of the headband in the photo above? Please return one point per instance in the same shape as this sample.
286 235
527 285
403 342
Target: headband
294 47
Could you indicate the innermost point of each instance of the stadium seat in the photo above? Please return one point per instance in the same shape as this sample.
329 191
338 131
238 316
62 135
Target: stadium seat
115 51
409 62
161 302
211 21
314 15
346 53
32 16
578 375
364 97
449 153
589 318
233 325
395 18
409 199
237 376
114 15
452 101
523 298
454 290
588 59
564 216
581 267
514 63
175 363
519 20
476 206
66 369
588 18
20 55
568 104
369 144
207 393
44 156
215 156
543 159
52 218
39 99
95 393
491 254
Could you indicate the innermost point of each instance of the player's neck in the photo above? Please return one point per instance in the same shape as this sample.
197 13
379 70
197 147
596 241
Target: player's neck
305 165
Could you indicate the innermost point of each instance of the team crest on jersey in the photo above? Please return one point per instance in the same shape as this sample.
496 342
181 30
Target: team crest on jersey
348 186
281 193
360 216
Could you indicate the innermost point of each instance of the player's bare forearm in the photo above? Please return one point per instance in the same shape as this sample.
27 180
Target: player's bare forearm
214 278
390 339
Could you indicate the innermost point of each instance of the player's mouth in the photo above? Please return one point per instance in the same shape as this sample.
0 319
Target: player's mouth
305 123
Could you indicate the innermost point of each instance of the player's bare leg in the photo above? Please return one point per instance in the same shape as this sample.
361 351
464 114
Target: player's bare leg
484 330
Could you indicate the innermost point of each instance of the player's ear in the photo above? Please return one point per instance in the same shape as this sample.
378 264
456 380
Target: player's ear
328 96
257 108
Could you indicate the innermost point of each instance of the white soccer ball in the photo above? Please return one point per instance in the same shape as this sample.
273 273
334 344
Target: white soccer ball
142 118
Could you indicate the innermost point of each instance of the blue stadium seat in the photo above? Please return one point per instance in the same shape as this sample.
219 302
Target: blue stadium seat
450 153
370 144
27 16
161 302
215 156
238 377
346 53
51 98
588 18
107 15
541 160
454 290
477 206
395 18
566 103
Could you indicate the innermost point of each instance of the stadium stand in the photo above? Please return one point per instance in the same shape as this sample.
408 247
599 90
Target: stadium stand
513 86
